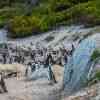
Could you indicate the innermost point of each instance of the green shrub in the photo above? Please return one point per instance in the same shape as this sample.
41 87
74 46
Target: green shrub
95 78
2 21
8 13
86 13
95 55
97 75
21 26
9 3
44 23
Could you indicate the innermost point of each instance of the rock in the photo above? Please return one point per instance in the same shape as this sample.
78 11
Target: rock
34 2
86 94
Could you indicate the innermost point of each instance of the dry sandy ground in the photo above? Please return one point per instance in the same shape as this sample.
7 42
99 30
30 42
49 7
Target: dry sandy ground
32 90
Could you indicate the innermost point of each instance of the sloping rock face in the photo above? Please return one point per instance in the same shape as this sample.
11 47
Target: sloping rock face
59 36
40 89
90 93
34 2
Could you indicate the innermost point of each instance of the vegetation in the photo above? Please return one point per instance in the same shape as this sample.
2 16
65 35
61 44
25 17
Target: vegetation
96 54
23 26
95 77
7 13
46 15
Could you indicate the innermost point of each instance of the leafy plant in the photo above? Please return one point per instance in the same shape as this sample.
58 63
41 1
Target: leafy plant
95 55
22 26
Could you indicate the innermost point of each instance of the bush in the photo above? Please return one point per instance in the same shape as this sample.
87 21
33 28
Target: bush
95 78
8 13
2 21
86 13
22 26
95 55
97 75
44 23
9 3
